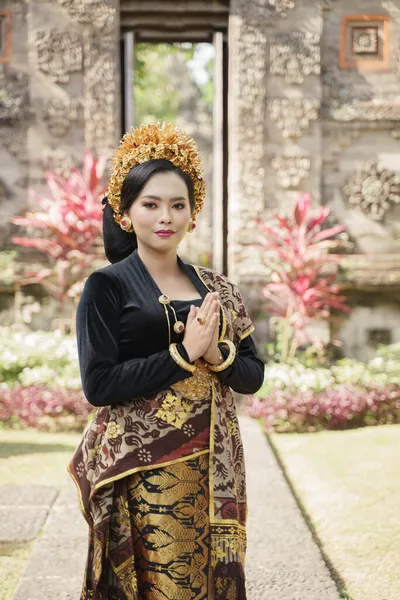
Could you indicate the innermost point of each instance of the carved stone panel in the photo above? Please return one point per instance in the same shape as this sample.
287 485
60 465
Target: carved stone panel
293 117
373 189
58 53
295 56
365 42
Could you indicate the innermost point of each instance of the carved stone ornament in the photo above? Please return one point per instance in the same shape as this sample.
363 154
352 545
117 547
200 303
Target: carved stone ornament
293 117
373 189
281 7
13 97
259 10
98 13
100 94
373 110
15 141
58 53
57 160
60 113
291 169
296 55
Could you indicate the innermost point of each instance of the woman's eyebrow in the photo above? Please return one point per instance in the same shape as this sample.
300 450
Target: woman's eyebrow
158 198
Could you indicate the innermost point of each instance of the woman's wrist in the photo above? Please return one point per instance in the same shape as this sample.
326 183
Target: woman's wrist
214 358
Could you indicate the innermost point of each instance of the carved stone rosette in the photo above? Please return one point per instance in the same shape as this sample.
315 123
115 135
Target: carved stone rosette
373 189
293 117
295 56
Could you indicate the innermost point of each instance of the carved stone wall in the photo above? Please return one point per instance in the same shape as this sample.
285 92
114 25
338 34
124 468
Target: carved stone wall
275 100
65 60
360 119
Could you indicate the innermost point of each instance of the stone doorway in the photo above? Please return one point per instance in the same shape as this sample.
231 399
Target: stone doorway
196 22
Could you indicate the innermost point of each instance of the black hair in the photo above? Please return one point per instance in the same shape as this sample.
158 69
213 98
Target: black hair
118 244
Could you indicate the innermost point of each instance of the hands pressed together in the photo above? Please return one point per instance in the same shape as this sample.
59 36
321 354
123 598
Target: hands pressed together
202 340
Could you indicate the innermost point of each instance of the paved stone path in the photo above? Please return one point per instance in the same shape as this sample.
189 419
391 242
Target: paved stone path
283 562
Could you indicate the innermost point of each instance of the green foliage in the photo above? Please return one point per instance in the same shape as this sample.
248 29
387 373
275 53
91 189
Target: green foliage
162 73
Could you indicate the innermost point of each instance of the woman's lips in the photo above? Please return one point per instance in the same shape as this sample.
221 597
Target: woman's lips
165 233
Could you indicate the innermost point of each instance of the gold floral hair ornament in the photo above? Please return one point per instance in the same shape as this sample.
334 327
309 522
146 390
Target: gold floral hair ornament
149 142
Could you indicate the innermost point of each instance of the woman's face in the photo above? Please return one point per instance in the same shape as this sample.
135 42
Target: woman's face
163 204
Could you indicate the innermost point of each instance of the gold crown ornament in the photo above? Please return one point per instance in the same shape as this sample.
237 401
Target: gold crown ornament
149 142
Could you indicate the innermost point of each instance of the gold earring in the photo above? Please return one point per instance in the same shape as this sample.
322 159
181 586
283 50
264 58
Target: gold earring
126 224
191 226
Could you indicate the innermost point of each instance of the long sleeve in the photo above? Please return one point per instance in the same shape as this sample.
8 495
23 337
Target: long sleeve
105 380
246 374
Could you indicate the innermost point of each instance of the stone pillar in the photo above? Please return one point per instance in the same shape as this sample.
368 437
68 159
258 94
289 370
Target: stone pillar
14 113
65 58
275 96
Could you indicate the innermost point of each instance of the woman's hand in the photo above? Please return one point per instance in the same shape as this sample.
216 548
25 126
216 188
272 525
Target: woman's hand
213 354
197 338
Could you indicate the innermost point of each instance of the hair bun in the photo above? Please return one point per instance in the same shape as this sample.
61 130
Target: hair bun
118 244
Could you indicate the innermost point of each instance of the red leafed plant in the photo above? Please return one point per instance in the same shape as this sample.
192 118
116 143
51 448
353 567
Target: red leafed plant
70 223
302 286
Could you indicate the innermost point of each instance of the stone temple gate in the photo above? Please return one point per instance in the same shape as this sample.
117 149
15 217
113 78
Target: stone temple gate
307 99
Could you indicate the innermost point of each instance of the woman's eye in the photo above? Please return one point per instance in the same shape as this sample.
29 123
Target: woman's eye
181 204
149 204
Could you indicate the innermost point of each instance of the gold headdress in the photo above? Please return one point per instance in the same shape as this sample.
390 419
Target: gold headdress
149 142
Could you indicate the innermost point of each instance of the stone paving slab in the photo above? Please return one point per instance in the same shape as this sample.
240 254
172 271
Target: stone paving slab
23 511
283 562
55 568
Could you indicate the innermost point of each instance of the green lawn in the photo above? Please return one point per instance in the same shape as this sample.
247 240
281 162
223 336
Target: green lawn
349 484
28 457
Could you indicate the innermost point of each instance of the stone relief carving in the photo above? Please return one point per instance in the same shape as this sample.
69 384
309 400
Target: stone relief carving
291 169
13 97
60 113
57 160
262 9
281 7
373 110
295 56
373 189
100 93
366 41
58 53
293 117
14 140
98 13
250 83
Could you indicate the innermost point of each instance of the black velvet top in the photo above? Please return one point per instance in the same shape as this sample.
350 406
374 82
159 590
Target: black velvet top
123 343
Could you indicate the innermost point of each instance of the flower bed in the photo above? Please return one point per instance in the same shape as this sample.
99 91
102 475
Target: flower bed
295 398
39 381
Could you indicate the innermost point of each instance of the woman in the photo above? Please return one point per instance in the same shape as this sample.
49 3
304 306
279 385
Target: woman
162 344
